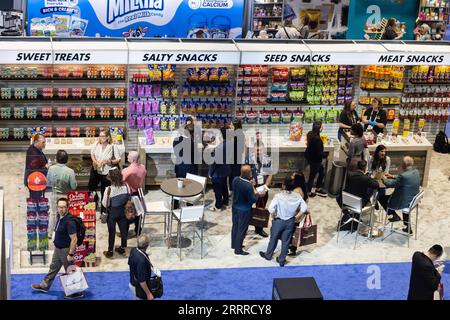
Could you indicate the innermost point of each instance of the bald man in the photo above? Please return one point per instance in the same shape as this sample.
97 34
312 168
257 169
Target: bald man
407 186
244 196
134 175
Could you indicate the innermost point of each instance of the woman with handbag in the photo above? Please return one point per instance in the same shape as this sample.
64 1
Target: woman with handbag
116 199
104 155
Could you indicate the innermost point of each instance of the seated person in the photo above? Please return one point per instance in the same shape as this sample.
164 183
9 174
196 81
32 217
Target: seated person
286 207
407 186
359 184
379 163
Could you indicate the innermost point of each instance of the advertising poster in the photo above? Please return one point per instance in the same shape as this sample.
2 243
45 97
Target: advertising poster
371 12
328 18
82 204
136 18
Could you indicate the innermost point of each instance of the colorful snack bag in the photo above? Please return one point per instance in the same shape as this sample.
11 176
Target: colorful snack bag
157 123
148 122
139 107
148 107
141 123
148 90
155 107
78 27
149 136
132 107
62 23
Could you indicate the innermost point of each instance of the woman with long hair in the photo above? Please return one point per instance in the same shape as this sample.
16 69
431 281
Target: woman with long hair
314 155
299 182
356 147
115 198
348 117
379 162
104 156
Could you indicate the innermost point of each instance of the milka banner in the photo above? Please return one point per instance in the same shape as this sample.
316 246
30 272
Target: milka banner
136 18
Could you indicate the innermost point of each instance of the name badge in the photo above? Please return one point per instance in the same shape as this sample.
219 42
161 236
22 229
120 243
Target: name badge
260 179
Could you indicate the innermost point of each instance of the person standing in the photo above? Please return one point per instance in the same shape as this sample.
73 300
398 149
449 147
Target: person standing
36 161
304 28
407 186
299 181
65 245
244 196
218 172
425 279
140 269
261 165
286 207
116 196
134 176
375 118
314 155
390 33
62 180
237 158
184 150
287 31
347 118
356 147
104 155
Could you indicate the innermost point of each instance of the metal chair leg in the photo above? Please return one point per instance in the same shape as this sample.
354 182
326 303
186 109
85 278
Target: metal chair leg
179 236
201 241
357 228
417 220
339 226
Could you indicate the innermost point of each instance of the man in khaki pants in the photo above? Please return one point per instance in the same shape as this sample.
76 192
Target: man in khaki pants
65 241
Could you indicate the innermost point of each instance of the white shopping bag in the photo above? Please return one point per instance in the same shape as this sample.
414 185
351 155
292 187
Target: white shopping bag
74 281
138 205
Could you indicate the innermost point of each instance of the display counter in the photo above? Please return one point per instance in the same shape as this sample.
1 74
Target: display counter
160 158
397 147
79 151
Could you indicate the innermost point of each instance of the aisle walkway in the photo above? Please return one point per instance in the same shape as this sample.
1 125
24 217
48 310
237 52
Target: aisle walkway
337 282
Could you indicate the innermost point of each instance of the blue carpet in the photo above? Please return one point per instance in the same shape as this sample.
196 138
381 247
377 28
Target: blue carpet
337 282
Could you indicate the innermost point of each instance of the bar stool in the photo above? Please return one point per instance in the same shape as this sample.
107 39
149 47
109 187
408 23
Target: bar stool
409 211
353 204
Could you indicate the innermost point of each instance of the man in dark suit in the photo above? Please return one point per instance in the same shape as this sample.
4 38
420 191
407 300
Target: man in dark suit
360 184
244 196
218 172
425 278
407 186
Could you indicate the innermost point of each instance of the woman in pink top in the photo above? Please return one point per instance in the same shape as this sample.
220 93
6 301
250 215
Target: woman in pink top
134 176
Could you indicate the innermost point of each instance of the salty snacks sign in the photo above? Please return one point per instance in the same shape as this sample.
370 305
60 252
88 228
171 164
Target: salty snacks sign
136 18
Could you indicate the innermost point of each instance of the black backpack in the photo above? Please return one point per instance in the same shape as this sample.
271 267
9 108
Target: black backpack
441 143
81 229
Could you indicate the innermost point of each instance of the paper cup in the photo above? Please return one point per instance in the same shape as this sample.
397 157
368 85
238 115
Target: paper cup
180 183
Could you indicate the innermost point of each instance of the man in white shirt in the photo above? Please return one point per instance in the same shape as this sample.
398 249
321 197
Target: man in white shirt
286 207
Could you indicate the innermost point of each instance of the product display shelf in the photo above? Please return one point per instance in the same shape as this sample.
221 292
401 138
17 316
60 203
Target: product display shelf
42 101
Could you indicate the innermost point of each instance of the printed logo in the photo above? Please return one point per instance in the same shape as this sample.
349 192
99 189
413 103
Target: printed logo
117 14
195 4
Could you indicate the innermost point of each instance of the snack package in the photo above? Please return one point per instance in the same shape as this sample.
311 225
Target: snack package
78 27
149 136
148 122
62 23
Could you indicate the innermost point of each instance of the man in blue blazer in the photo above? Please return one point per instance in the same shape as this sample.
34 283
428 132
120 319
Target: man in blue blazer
407 186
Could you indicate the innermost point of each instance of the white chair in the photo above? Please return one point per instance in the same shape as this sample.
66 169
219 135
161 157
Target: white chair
195 199
353 204
152 209
409 211
190 215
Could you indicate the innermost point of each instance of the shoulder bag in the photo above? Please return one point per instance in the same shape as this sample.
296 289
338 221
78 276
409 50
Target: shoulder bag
260 215
104 217
306 234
